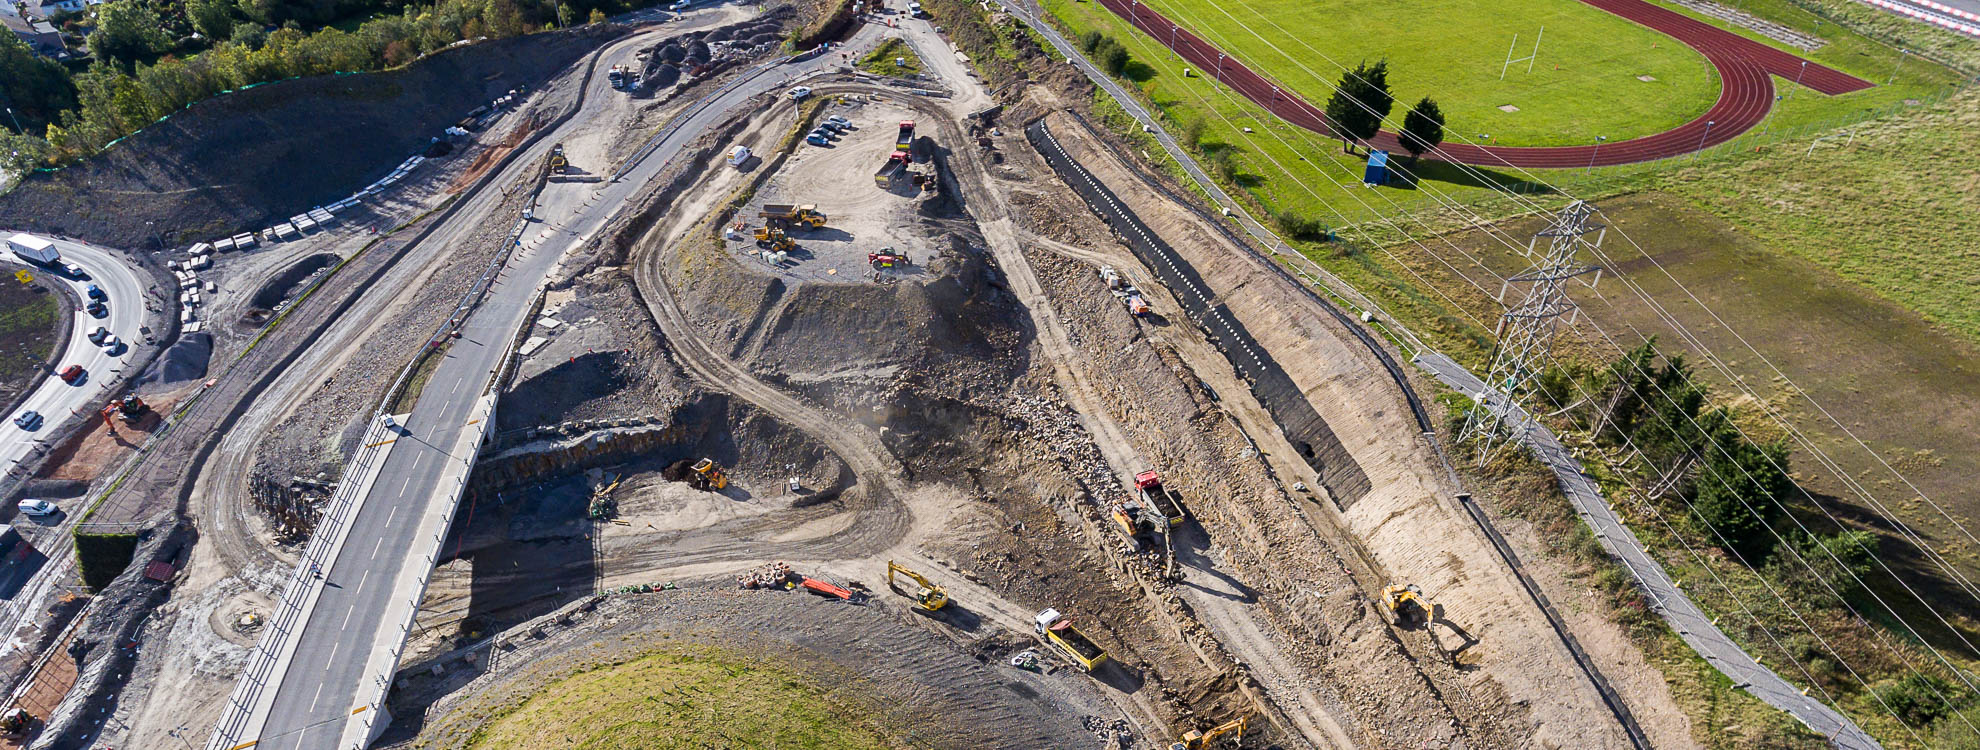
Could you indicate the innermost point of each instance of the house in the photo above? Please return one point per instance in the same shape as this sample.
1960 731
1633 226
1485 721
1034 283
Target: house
45 8
41 36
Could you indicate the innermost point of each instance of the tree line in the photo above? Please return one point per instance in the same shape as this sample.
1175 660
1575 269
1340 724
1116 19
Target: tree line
1736 492
140 73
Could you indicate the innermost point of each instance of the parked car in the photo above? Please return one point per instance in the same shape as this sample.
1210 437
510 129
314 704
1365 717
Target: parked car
35 507
817 140
115 348
100 335
97 309
73 374
96 292
840 121
678 6
29 420
75 272
800 92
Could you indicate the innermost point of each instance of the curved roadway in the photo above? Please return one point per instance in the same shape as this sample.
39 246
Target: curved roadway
1743 64
54 399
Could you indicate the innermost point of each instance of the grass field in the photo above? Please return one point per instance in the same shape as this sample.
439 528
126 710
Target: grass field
28 320
687 698
1584 82
892 58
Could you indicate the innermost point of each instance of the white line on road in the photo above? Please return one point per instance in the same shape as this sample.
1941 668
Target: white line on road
402 486
329 662
317 697
347 620
374 548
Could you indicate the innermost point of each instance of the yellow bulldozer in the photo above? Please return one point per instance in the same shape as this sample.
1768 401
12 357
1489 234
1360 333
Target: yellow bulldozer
1198 739
707 475
929 596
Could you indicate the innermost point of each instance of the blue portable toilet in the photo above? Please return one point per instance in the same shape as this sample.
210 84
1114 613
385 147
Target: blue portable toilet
1378 168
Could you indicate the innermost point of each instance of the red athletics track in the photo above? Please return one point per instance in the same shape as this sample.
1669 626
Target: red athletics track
1744 95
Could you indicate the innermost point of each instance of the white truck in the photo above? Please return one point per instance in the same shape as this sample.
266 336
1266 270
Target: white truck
35 250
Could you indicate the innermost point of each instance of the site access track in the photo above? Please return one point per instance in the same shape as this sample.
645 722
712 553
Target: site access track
1745 93
326 684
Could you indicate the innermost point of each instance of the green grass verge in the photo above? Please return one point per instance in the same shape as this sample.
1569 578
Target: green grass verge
892 58
29 318
680 698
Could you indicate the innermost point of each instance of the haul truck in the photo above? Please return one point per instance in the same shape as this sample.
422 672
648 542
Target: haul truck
906 138
1058 630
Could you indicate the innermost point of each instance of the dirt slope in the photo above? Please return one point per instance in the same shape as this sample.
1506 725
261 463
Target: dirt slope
241 161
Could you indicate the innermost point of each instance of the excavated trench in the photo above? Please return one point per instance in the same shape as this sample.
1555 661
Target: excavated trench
283 287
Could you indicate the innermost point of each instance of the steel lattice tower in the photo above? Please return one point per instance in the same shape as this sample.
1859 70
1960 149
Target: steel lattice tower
1526 331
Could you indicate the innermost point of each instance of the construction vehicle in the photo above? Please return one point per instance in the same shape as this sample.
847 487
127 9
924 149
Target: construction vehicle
784 214
1197 739
905 140
618 76
16 722
1158 497
774 240
1058 630
885 259
1406 604
929 597
896 165
1136 522
707 475
558 163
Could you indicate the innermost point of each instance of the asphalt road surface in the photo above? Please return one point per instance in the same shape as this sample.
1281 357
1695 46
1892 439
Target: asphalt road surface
54 399
327 678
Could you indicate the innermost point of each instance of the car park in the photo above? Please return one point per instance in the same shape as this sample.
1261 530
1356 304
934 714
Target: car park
29 420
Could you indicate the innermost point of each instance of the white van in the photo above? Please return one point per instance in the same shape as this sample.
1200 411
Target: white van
34 507
738 156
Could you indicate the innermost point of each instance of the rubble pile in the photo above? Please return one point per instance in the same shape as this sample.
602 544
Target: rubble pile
772 576
684 59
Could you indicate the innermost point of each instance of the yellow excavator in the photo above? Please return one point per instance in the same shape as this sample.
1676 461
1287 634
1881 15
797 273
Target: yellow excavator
929 597
707 475
1406 603
1197 739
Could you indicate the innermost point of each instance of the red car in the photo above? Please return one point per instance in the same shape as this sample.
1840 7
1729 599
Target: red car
72 374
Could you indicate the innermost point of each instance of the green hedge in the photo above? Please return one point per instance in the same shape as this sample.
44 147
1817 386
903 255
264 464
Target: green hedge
102 557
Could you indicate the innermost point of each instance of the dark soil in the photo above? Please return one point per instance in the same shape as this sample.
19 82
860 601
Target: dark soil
242 161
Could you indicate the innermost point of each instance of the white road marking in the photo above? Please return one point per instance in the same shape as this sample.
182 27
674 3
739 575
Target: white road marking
347 616
317 697
331 659
402 486
374 548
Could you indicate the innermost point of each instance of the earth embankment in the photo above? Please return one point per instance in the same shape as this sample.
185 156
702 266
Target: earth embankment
241 161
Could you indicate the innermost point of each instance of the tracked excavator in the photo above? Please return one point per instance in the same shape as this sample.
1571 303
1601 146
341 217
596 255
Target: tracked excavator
1197 739
1406 604
929 597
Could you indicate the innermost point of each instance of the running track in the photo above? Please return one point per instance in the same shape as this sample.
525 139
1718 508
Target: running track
1744 96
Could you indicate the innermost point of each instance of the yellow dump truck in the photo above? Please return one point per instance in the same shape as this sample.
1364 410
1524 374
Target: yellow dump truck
1058 630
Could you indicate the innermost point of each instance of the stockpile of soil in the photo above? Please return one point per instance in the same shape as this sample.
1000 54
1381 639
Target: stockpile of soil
240 162
702 52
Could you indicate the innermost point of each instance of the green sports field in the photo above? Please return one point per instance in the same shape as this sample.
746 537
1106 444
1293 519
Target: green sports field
1587 80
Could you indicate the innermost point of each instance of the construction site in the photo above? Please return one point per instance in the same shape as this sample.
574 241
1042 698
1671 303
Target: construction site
837 411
